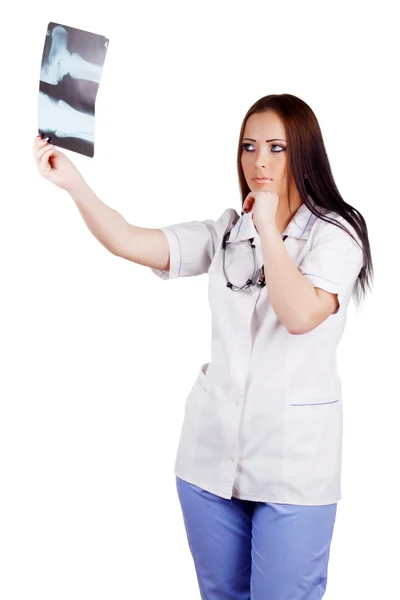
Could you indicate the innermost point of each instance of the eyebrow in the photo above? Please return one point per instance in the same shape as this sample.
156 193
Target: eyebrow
273 140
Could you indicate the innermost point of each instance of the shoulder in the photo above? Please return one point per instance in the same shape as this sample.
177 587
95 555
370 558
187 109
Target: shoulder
222 224
204 229
337 228
227 219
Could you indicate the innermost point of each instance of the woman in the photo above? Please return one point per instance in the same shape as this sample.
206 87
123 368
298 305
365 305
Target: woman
259 459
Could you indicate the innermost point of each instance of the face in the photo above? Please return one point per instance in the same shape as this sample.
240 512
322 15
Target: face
264 154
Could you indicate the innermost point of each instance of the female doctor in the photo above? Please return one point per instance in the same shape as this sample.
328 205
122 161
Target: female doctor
258 467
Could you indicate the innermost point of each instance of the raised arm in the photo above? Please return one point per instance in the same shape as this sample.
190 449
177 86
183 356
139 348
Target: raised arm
178 250
142 245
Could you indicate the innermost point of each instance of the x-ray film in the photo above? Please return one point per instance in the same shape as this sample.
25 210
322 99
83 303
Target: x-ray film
70 74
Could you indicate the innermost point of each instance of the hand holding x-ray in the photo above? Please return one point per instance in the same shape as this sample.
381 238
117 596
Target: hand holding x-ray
55 166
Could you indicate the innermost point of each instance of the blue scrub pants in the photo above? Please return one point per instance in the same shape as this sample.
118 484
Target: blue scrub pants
246 550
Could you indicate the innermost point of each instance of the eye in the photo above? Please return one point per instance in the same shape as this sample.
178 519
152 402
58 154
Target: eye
273 146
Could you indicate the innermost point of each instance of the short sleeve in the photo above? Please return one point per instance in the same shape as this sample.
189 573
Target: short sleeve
334 261
193 244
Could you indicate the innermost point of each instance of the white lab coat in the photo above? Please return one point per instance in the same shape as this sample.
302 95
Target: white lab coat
263 420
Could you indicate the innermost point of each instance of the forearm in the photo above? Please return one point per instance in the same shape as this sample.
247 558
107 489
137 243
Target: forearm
292 295
105 223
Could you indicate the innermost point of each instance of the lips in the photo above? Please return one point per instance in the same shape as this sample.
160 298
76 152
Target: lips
262 179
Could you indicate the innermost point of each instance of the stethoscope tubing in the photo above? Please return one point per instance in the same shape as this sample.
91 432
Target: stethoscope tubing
260 280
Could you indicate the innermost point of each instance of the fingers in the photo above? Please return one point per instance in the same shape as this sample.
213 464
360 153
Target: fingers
247 205
42 150
40 141
42 158
43 163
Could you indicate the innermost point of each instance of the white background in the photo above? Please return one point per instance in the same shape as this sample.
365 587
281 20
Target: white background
98 354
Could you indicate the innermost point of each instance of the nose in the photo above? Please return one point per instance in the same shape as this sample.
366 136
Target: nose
260 158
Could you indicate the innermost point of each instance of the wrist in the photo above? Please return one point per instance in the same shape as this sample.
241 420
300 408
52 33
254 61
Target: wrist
268 228
77 187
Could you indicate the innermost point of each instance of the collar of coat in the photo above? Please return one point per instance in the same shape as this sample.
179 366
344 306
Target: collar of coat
299 226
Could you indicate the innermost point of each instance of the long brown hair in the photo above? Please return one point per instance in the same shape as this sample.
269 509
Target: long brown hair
307 155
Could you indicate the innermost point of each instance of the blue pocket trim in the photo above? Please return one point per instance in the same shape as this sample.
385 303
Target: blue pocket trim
315 403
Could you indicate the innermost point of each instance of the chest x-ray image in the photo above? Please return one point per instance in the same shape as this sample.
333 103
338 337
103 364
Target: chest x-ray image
71 69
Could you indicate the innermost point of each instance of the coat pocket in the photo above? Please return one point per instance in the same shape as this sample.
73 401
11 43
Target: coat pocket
313 440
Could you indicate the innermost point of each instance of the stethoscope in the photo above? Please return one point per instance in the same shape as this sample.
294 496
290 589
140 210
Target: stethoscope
256 279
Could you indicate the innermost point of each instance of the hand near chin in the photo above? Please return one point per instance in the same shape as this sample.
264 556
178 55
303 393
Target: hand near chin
263 206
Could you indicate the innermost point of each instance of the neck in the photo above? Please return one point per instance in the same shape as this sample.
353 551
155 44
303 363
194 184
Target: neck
284 216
